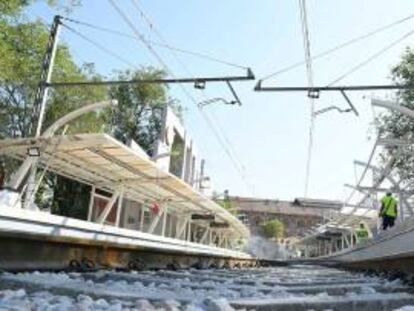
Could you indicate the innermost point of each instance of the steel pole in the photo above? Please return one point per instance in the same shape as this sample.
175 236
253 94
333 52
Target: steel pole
40 101
46 73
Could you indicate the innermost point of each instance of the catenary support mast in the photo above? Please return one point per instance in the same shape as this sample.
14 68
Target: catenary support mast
41 99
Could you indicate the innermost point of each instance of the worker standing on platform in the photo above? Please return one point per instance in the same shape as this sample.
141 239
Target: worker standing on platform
362 232
389 211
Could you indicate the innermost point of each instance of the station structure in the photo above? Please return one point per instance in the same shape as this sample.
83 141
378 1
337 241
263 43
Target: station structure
155 210
137 202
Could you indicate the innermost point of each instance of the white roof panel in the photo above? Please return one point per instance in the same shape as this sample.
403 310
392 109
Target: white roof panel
101 160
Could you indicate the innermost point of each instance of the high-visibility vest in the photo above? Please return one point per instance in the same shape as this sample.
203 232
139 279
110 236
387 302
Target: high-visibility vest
390 206
361 233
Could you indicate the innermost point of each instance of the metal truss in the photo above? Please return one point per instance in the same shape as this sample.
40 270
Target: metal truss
338 232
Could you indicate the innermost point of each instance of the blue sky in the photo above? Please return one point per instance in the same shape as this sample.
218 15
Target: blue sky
269 132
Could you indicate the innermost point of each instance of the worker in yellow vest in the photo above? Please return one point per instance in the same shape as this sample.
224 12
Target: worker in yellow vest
362 232
389 211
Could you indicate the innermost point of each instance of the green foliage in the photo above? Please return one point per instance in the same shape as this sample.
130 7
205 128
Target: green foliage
65 100
177 156
22 46
273 229
140 108
12 8
394 124
70 198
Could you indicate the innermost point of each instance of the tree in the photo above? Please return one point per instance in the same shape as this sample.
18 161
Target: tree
138 117
19 78
13 8
140 108
22 46
273 229
394 124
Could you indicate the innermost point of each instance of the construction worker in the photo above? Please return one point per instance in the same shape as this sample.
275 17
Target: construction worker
361 232
389 211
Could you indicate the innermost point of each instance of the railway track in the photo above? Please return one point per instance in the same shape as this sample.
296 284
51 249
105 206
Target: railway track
294 287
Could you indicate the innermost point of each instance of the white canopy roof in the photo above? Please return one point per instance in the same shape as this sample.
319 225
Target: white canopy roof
101 160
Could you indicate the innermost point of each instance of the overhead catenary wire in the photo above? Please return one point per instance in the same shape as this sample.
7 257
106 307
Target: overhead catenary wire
62 39
99 46
139 36
223 139
73 51
168 46
372 57
152 27
169 71
309 75
160 44
339 46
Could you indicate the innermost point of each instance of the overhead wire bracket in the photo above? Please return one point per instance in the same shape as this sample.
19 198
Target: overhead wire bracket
236 97
260 88
196 80
314 92
349 103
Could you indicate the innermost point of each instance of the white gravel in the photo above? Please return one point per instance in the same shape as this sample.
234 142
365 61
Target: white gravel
211 290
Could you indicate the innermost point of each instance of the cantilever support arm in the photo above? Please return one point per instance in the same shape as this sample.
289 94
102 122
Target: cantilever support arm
249 76
349 103
236 97
260 88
